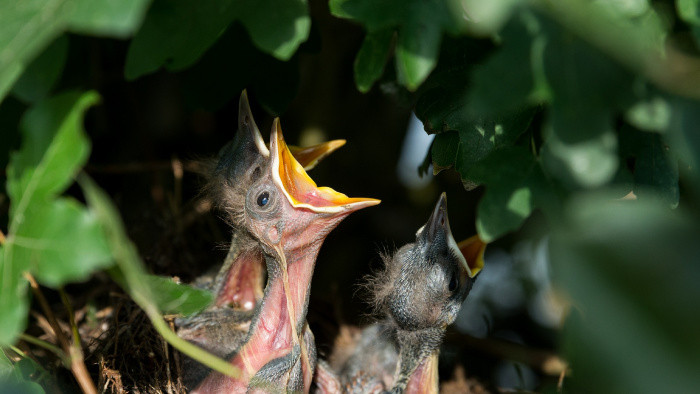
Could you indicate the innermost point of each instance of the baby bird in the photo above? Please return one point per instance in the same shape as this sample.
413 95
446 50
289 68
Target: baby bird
238 286
420 292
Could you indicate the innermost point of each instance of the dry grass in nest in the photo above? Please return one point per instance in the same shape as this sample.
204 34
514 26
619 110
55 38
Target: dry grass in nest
132 357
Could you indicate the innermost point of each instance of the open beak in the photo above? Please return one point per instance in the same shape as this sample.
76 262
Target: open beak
300 189
473 249
310 156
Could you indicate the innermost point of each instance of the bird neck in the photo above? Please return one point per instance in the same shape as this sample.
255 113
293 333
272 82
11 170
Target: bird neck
416 371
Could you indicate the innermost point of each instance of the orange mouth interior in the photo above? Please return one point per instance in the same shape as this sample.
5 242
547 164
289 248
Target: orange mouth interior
300 189
473 249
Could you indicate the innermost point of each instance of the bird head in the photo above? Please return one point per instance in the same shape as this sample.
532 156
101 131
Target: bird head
425 282
246 159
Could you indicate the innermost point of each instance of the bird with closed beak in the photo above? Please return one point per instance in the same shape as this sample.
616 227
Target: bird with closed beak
419 293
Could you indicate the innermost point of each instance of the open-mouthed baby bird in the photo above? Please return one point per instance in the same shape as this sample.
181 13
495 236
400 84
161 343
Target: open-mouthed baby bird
289 217
419 293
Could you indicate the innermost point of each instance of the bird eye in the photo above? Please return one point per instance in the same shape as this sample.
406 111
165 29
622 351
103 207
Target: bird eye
454 283
263 199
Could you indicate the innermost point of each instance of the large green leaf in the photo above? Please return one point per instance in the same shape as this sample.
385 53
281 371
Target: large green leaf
55 239
54 149
28 26
630 268
176 33
420 25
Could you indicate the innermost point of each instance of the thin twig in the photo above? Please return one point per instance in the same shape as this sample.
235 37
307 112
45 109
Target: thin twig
77 364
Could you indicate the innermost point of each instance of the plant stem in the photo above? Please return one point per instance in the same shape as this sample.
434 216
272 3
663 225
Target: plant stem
2 238
46 345
71 318
77 365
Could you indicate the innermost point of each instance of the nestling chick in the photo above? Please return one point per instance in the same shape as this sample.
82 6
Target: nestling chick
419 293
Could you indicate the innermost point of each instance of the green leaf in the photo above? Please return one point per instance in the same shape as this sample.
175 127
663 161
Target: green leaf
370 60
57 240
629 268
514 185
177 33
41 75
444 150
280 32
54 149
581 146
513 76
173 297
107 17
416 53
420 25
14 300
61 242
26 30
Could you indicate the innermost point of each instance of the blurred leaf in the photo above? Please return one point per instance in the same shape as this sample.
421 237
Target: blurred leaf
176 33
650 114
220 75
41 75
14 303
587 88
629 266
370 60
14 380
54 148
689 12
507 80
173 297
57 240
420 25
107 17
28 28
514 185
